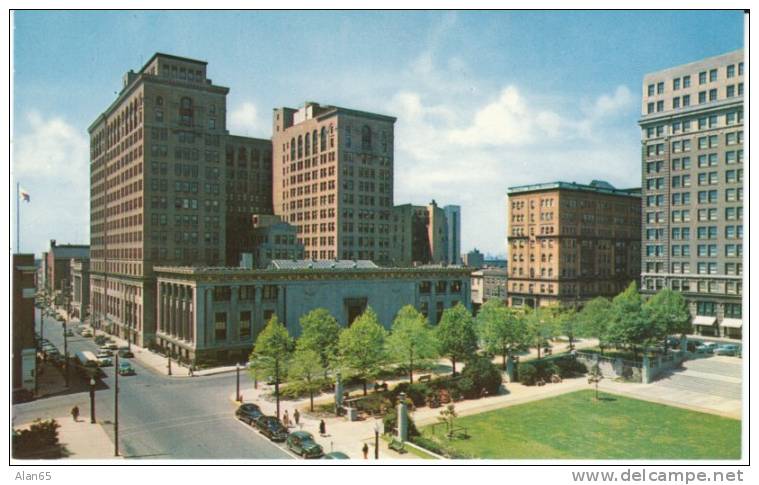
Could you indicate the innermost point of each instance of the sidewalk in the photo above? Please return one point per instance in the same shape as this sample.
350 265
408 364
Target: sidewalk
82 439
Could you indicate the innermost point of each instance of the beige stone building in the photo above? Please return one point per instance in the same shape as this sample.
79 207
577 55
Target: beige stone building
333 180
692 169
569 243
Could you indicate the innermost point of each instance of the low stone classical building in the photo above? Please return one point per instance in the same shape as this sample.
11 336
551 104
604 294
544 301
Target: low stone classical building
215 314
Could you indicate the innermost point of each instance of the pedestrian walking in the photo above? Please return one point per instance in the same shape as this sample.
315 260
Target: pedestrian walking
322 428
75 413
296 417
286 419
365 450
190 372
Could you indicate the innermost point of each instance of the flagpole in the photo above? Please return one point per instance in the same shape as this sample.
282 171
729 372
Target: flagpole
18 226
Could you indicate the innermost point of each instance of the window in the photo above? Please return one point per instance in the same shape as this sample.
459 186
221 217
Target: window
659 106
702 97
366 138
651 88
686 81
730 91
660 87
245 325
649 108
686 102
675 102
713 94
676 84
730 70
702 77
220 326
712 75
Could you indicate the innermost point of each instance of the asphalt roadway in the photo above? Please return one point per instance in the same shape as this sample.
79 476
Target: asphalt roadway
159 417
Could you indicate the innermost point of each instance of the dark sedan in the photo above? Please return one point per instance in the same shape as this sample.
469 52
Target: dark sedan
248 413
271 427
303 444
336 455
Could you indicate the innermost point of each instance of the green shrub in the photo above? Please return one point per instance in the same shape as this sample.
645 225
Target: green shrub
528 374
39 441
416 392
465 385
484 375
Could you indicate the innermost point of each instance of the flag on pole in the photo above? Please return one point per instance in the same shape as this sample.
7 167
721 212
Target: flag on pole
24 195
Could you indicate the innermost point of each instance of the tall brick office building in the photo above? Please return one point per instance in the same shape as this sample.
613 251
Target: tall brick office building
569 242
160 162
333 180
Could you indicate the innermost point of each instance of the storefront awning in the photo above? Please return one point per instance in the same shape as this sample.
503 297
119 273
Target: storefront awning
704 320
732 323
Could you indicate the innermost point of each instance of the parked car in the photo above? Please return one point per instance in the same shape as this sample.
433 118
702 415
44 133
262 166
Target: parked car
104 361
126 353
302 443
727 349
126 369
105 352
336 455
271 427
248 412
87 333
111 346
706 348
69 333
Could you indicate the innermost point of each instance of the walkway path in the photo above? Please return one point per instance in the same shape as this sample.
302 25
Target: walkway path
82 439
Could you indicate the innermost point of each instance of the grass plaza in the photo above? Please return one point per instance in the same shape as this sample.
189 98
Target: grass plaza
575 426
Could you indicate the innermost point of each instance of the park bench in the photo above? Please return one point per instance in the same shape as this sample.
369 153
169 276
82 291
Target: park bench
397 446
425 378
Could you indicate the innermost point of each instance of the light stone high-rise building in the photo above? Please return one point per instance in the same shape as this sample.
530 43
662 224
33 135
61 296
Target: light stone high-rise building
333 180
166 183
692 174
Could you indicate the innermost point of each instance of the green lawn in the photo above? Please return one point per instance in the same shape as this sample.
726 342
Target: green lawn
574 426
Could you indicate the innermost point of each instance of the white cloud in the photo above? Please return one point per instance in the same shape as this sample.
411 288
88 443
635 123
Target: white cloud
51 147
51 161
245 120
607 105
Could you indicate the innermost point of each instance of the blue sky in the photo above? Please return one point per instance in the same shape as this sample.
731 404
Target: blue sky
484 100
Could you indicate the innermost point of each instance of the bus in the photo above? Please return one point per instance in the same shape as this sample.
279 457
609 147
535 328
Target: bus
88 364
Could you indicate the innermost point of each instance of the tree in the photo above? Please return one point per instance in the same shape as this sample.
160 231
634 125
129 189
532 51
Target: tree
501 329
411 339
542 326
320 333
567 325
448 416
306 368
484 374
361 347
271 352
668 313
594 320
456 335
629 325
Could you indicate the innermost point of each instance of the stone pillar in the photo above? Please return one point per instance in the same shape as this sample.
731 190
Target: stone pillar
510 368
338 392
646 370
234 315
257 315
402 418
281 305
684 346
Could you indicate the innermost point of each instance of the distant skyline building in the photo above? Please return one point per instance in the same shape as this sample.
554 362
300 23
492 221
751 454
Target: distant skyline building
474 259
453 233
420 234
692 169
569 242
333 180
58 266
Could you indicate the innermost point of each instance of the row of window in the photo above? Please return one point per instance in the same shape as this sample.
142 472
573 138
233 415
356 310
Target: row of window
729 118
684 82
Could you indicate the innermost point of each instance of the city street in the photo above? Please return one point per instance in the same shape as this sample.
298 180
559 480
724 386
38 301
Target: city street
159 417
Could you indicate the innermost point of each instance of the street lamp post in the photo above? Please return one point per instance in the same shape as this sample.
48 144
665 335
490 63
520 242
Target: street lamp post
116 408
169 356
376 440
92 400
237 393
65 353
